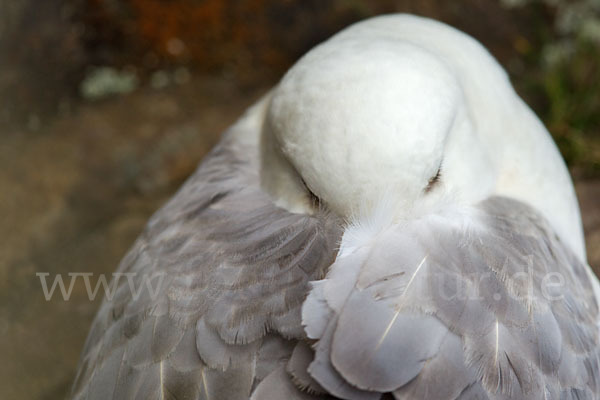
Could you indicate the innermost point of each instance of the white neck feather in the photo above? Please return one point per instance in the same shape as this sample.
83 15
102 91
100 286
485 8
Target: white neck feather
373 111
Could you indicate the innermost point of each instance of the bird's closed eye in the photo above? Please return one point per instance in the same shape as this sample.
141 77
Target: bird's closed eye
313 197
434 180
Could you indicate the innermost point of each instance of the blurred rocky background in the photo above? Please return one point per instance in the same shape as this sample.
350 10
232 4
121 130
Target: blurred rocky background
106 106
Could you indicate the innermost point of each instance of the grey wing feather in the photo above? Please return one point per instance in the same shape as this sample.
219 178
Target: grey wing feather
442 370
216 269
408 341
297 367
278 386
458 305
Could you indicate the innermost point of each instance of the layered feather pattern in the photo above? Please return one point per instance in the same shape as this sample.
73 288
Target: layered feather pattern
219 277
493 306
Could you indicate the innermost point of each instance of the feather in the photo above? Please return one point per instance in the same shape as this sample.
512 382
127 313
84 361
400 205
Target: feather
278 386
440 378
234 383
274 352
315 311
297 368
104 379
217 354
327 376
390 346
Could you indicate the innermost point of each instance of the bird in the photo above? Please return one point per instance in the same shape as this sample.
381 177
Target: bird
390 221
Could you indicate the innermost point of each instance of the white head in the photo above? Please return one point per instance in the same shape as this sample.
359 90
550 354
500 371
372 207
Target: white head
355 121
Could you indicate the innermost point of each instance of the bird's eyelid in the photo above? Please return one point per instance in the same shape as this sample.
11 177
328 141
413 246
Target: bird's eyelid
434 179
314 198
